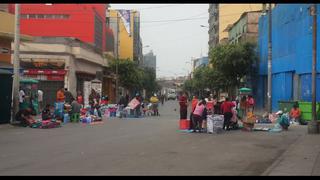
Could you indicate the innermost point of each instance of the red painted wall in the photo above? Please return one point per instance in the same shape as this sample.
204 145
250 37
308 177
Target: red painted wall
79 25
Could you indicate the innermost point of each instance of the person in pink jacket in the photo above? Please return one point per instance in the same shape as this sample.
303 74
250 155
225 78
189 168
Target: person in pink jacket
198 115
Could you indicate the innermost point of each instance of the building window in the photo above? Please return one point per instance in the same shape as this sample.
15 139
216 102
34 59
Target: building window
31 16
45 16
24 16
48 16
40 16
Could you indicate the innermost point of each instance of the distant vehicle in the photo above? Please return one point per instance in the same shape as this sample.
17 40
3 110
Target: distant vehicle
172 95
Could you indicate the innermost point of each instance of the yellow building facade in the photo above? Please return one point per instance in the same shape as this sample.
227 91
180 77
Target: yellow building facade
230 13
125 46
7 36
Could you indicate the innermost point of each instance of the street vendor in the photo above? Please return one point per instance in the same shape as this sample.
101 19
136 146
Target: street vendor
60 95
138 107
243 107
154 100
295 115
283 120
25 117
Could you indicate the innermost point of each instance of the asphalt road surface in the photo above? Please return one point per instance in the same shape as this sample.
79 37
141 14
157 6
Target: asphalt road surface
145 146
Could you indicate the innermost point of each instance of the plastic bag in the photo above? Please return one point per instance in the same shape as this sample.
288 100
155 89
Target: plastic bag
209 123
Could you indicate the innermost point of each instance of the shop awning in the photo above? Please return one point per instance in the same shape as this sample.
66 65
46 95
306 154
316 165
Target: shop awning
4 71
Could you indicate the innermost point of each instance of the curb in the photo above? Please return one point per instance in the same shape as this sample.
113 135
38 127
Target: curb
280 158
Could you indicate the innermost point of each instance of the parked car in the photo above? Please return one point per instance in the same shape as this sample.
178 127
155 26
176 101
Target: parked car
172 96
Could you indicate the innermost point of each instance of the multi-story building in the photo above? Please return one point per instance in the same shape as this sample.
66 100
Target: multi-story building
6 68
200 62
85 22
137 42
60 62
291 55
126 27
223 15
245 29
150 60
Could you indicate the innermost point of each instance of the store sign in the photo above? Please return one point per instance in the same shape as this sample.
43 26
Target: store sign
4 51
60 72
42 63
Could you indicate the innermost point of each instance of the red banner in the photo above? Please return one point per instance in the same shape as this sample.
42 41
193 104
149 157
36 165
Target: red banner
55 78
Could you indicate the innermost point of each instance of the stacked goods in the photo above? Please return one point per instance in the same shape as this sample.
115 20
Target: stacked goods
215 123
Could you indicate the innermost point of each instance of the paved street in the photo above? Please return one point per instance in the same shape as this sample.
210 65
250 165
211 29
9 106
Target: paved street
146 146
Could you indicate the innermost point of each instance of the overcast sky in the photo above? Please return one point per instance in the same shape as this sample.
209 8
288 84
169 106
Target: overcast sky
176 41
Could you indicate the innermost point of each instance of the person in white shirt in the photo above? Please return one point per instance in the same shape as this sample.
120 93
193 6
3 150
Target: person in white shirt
40 99
22 97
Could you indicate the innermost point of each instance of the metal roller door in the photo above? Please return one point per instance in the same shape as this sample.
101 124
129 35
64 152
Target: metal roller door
50 89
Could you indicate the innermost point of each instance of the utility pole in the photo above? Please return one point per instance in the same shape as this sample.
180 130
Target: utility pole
117 64
16 64
313 127
269 105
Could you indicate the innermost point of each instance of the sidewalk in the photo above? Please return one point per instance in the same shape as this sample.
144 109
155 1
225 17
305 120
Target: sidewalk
301 158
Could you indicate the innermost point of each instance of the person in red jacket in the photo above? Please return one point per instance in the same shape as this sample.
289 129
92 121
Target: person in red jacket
226 109
183 102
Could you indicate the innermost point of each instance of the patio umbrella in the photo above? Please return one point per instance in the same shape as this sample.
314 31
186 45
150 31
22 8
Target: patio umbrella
244 90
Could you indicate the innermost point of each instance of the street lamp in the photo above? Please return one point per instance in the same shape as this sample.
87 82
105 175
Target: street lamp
204 26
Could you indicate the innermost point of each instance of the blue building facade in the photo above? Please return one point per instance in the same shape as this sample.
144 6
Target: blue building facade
291 55
202 61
